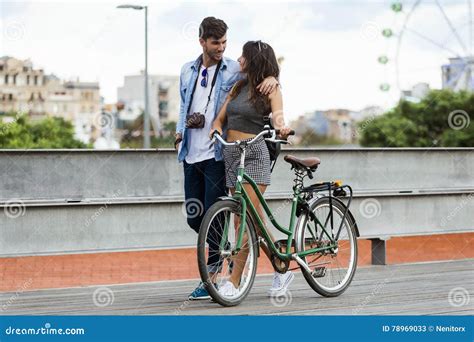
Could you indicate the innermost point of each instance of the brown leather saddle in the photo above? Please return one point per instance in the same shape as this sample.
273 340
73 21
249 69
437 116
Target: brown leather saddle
306 164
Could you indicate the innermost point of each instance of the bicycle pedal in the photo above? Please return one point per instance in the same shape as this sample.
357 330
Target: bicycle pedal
319 272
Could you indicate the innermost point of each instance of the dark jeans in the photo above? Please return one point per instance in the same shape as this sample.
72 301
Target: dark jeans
204 183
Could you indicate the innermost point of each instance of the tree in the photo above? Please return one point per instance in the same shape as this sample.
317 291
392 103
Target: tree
442 118
51 132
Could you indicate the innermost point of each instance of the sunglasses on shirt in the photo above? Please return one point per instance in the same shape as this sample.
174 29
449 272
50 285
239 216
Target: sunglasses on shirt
205 76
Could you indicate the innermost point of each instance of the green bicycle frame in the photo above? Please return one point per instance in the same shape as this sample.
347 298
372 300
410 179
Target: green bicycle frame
242 196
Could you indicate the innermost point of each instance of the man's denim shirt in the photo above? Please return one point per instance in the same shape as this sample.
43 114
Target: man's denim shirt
229 73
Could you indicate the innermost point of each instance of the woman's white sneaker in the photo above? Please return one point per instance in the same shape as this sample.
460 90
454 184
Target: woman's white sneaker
228 290
280 283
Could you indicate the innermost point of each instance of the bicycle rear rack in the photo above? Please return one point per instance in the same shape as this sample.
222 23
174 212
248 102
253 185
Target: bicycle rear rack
334 190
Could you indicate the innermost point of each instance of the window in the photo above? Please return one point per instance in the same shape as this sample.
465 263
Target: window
6 79
14 78
28 79
36 80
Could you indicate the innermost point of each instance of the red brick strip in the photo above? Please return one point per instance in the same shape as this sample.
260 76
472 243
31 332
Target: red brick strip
39 272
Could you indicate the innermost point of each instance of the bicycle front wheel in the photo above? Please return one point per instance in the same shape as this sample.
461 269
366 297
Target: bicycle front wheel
219 261
331 270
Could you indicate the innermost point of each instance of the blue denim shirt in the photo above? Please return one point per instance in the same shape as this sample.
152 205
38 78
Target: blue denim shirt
228 74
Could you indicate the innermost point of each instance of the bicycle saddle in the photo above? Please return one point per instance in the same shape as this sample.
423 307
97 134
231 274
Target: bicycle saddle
303 163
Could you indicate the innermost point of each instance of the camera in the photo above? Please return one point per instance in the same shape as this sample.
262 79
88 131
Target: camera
195 120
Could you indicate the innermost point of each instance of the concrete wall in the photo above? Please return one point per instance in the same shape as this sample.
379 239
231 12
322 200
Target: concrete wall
74 201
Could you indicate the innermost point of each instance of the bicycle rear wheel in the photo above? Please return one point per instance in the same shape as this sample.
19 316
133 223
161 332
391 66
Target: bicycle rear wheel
217 255
332 270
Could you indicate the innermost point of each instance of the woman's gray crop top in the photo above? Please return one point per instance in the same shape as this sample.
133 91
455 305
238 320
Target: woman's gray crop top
243 116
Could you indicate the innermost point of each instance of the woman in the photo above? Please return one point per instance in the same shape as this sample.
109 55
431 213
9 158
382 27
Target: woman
244 111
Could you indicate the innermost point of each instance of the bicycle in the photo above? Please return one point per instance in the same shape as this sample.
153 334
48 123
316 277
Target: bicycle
321 238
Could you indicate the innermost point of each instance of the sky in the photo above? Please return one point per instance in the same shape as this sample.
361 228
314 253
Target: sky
330 48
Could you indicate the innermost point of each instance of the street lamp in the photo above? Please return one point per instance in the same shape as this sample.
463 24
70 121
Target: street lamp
146 124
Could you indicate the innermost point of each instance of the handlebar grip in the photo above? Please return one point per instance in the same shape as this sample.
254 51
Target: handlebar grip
292 132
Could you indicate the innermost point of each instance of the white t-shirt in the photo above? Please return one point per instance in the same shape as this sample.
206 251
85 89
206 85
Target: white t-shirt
199 144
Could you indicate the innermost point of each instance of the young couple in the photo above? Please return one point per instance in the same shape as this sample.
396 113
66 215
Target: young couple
232 97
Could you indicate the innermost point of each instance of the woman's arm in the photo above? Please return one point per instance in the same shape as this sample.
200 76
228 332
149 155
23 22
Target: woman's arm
221 118
276 103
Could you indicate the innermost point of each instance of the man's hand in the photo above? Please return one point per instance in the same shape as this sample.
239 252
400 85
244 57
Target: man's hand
178 139
268 85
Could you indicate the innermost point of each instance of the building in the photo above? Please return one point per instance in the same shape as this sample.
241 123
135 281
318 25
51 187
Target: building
417 92
22 88
339 124
163 96
28 90
458 74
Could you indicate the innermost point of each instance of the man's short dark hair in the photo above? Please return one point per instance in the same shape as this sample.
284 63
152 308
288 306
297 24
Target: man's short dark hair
212 28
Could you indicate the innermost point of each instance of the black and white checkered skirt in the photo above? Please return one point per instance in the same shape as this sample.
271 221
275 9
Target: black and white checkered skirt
257 163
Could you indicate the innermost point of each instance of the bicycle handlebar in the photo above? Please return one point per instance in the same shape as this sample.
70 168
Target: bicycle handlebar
266 130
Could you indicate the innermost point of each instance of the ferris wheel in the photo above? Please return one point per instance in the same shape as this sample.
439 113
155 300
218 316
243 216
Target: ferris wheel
428 44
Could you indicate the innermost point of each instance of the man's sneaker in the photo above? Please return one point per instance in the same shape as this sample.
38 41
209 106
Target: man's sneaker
280 284
199 293
228 290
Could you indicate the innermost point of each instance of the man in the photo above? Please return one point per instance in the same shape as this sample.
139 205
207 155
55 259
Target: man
204 86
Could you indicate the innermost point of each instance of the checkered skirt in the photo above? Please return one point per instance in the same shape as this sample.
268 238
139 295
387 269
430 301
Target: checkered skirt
257 163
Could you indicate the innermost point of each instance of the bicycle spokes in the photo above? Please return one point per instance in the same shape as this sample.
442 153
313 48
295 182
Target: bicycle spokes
225 261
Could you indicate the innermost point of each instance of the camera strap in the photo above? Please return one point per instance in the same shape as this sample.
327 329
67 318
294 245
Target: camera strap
212 86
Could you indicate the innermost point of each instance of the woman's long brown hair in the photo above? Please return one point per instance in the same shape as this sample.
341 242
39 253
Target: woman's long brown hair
260 63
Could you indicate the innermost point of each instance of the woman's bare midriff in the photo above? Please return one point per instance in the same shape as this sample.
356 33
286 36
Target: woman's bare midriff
233 135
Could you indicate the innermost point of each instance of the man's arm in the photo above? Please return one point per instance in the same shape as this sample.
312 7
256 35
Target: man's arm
182 110
268 85
182 114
